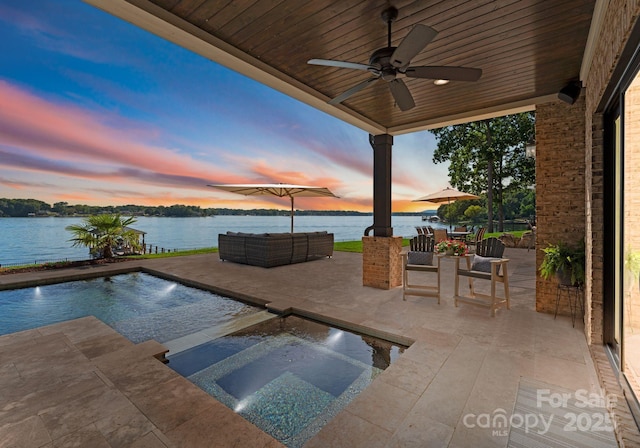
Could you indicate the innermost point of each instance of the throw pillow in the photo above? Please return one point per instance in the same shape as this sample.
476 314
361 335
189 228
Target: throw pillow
483 264
419 257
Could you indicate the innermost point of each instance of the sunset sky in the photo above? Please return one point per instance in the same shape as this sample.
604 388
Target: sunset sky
96 111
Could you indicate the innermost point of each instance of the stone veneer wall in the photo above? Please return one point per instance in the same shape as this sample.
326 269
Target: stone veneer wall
382 261
560 187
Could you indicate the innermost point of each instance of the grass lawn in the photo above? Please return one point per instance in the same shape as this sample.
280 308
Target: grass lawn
356 246
204 250
342 246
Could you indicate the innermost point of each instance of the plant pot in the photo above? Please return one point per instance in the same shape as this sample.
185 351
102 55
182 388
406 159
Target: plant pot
564 277
449 252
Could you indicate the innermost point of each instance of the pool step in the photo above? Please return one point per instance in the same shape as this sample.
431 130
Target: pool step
208 334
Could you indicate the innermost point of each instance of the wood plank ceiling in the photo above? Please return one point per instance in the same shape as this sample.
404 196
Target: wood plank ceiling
527 49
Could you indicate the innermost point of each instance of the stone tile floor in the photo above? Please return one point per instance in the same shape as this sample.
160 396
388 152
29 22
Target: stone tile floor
82 384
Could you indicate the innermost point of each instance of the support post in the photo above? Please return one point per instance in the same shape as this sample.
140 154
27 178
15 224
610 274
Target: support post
381 145
381 253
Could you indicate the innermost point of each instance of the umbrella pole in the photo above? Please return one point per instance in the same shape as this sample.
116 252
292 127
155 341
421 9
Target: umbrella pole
291 213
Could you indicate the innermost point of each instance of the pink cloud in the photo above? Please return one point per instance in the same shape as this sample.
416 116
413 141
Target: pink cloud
42 136
70 134
265 173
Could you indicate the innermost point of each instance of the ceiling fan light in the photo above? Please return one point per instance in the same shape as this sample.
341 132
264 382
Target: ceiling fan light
441 82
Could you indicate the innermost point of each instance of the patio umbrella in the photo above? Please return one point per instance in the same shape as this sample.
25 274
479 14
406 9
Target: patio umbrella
280 190
447 195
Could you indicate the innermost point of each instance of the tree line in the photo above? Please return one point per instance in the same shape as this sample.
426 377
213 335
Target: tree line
17 208
32 207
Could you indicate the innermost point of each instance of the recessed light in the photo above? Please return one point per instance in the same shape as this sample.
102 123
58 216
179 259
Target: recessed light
441 82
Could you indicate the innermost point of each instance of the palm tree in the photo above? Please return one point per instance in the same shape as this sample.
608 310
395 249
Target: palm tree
101 233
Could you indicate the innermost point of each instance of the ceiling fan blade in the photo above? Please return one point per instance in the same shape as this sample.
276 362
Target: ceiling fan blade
416 40
353 90
340 64
401 94
450 73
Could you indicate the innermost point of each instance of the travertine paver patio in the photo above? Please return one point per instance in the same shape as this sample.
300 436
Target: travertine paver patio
81 384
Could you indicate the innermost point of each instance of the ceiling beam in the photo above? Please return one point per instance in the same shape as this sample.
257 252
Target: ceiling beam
474 115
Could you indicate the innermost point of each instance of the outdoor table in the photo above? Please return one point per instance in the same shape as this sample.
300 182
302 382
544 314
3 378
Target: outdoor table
459 235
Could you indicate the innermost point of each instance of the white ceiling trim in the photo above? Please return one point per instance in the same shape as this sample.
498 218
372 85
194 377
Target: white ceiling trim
595 29
475 115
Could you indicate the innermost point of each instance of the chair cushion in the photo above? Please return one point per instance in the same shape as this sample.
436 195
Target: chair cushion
483 264
420 257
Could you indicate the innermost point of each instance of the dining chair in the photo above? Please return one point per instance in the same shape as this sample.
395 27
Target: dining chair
479 236
440 234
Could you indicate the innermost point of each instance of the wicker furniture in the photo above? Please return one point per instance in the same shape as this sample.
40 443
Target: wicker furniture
274 249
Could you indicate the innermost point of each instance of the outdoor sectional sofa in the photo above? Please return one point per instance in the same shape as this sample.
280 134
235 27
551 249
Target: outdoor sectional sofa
274 249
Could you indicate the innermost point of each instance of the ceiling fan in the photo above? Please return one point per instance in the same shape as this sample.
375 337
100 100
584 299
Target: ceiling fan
391 63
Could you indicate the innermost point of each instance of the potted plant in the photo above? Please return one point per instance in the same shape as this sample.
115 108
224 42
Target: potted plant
564 262
451 247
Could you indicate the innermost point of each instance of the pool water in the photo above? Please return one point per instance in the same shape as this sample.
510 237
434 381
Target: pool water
137 305
289 376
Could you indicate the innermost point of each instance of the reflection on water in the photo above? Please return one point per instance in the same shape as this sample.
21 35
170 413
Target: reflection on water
48 239
138 305
289 376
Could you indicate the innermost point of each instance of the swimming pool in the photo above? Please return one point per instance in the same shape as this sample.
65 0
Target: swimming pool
137 305
289 376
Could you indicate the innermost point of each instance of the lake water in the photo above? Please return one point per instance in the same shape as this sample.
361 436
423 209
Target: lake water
29 240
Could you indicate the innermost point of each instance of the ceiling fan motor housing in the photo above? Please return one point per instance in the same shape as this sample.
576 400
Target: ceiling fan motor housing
381 59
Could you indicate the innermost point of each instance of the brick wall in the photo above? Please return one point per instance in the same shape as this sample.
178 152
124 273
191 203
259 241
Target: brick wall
560 187
618 22
382 262
594 241
619 19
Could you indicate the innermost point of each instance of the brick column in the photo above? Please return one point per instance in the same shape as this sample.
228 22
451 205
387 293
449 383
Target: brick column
560 186
382 261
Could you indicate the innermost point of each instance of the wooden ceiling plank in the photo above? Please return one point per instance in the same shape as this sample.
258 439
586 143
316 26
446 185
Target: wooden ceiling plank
183 8
213 17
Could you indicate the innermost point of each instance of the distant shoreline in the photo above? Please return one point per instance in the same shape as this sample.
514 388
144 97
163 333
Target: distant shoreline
33 208
242 213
